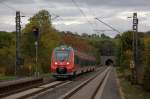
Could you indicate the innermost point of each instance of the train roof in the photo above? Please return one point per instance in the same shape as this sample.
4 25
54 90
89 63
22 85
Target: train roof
85 56
80 54
63 47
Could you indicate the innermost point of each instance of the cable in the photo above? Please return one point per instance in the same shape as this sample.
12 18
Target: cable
58 17
10 7
103 30
84 15
94 15
54 14
103 22
81 11
108 25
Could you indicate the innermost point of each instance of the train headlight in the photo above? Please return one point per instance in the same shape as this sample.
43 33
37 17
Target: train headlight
56 63
68 63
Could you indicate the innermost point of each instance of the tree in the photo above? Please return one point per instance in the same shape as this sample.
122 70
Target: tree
126 40
85 35
147 54
7 52
118 36
104 36
49 39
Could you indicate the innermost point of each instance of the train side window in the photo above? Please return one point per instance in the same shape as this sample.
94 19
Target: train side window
76 59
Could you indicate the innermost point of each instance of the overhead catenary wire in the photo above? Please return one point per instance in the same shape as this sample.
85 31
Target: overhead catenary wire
60 18
113 29
108 25
10 7
90 10
6 5
24 15
82 12
93 14
56 16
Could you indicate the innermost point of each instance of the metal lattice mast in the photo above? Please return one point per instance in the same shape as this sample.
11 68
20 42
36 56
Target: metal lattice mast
18 36
135 45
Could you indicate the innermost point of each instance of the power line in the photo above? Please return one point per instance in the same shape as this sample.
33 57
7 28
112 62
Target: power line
54 14
84 15
90 10
10 7
108 25
59 18
93 14
103 30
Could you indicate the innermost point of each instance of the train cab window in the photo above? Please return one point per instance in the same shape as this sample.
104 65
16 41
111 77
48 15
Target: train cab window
62 55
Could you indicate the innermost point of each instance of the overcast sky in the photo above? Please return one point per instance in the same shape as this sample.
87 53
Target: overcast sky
113 12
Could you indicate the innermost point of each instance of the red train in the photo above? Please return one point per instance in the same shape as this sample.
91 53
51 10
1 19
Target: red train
67 62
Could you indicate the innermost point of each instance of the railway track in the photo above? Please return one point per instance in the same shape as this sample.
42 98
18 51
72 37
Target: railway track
11 87
92 88
30 92
69 90
27 88
37 91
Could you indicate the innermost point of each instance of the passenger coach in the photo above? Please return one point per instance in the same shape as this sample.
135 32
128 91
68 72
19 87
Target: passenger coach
67 62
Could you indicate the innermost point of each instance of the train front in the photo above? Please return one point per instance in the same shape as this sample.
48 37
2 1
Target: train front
62 63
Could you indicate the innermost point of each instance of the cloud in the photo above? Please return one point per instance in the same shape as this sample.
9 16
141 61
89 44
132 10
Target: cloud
19 1
108 3
113 12
7 27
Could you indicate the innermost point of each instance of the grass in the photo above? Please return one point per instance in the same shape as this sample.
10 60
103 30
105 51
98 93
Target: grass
131 91
2 77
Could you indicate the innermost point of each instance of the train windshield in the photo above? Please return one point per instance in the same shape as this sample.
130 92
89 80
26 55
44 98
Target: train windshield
62 55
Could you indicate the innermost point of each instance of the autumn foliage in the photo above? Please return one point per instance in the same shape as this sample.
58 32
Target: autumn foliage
76 42
147 54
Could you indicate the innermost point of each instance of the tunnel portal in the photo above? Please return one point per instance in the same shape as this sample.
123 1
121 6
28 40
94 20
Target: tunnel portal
109 62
